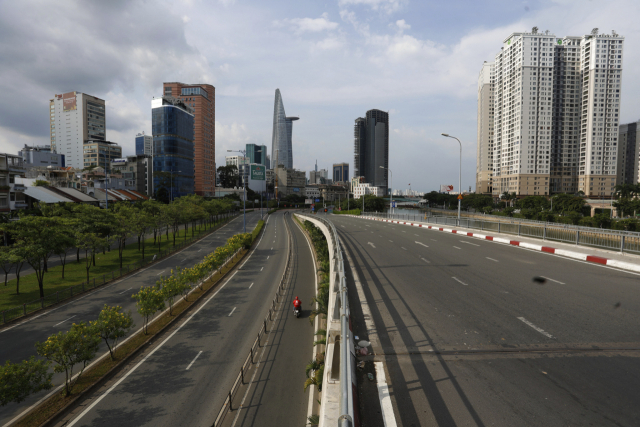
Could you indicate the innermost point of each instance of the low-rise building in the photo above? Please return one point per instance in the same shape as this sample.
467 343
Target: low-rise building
11 192
312 191
365 188
100 153
40 156
290 181
138 169
62 177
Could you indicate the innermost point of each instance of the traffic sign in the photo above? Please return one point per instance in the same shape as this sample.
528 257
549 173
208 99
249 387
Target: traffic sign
393 204
317 200
459 196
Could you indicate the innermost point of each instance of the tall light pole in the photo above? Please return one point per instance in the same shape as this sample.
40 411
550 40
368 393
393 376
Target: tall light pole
393 210
244 201
459 174
171 184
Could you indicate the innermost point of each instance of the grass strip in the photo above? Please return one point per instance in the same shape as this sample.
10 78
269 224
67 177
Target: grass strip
75 273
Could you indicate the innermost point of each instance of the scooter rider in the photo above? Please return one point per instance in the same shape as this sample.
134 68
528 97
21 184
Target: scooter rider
297 304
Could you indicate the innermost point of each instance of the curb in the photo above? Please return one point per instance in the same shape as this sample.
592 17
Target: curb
548 249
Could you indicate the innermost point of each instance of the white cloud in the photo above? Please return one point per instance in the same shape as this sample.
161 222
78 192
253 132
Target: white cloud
402 25
312 25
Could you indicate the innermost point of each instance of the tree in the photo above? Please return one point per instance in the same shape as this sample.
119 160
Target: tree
140 224
40 183
89 242
170 288
149 300
123 226
67 349
19 380
112 324
38 238
536 203
66 242
228 176
6 261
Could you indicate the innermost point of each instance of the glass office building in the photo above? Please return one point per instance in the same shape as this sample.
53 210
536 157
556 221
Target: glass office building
257 154
281 145
173 146
144 144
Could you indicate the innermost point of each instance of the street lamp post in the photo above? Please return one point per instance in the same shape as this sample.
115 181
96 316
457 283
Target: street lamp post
459 174
393 210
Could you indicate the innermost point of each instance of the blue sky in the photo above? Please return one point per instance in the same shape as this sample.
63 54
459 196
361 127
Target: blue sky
332 60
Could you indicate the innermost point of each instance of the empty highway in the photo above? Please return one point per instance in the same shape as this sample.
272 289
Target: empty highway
470 339
17 342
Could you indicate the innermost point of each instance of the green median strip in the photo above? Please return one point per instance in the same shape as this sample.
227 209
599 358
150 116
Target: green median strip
214 268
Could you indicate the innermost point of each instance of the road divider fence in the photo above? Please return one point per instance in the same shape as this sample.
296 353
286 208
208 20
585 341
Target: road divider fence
615 240
339 381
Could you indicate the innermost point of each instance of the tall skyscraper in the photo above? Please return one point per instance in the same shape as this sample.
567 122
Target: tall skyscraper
144 144
74 118
628 153
371 148
257 154
281 146
202 99
556 104
173 148
341 172
484 160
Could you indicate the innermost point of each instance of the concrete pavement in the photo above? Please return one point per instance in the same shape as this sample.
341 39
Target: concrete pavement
468 338
17 341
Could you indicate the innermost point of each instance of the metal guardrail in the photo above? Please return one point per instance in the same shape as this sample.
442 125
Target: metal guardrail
346 392
227 405
616 240
66 293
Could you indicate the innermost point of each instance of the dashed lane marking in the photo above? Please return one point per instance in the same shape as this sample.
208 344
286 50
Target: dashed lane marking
459 281
542 331
234 309
495 260
194 359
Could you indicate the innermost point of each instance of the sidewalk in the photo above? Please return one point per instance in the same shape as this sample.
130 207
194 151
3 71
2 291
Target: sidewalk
615 259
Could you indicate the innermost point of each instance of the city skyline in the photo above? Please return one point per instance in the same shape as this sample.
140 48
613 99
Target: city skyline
423 71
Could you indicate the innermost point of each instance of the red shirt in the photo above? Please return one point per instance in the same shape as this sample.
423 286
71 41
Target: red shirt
296 303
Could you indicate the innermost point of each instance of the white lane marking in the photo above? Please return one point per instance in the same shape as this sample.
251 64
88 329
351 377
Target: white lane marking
403 248
542 331
65 320
403 231
468 243
194 359
234 309
457 247
492 259
379 235
421 244
371 244
414 234
271 247
385 398
90 407
428 262
268 256
434 240
391 241
262 268
184 260
548 278
199 250
161 272
250 285
459 281
120 293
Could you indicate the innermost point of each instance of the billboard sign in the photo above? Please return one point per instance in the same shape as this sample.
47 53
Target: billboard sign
446 188
296 190
69 101
308 201
258 172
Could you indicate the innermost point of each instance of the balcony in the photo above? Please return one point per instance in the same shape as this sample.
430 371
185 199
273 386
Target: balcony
19 188
21 205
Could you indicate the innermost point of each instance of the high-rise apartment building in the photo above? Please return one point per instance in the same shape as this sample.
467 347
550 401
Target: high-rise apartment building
202 99
236 161
628 153
144 144
172 122
556 104
371 148
257 154
484 155
281 139
74 118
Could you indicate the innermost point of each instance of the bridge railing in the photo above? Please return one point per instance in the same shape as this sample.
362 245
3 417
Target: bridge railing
616 240
339 338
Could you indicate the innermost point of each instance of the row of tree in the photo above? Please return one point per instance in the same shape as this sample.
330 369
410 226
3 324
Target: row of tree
79 345
61 228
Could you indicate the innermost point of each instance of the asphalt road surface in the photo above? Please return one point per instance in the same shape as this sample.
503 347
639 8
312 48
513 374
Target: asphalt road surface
276 396
469 339
18 342
183 379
